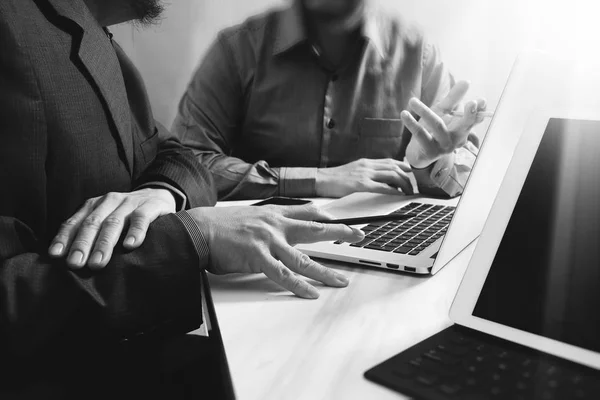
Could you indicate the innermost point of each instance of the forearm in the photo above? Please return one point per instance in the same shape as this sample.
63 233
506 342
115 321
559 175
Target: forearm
236 179
154 289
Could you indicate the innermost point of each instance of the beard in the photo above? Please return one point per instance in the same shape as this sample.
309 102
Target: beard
147 12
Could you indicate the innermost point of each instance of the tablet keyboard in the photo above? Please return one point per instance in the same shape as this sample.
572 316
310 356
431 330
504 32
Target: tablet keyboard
458 363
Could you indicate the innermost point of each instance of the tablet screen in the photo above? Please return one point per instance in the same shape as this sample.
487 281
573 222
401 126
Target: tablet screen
545 277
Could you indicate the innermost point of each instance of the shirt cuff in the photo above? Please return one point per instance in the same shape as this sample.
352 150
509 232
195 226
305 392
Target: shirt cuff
298 182
180 198
448 176
197 237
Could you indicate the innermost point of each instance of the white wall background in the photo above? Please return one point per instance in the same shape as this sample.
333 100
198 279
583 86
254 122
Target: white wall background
479 39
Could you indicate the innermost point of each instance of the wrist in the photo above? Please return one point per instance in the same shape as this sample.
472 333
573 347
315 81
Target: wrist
321 182
165 194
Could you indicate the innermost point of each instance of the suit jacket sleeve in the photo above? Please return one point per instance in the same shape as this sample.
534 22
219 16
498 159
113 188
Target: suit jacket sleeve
176 165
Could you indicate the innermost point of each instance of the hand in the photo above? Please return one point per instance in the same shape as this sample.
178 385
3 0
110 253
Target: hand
260 239
438 133
364 175
99 224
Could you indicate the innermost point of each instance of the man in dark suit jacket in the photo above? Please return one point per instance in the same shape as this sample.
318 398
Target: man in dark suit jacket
75 124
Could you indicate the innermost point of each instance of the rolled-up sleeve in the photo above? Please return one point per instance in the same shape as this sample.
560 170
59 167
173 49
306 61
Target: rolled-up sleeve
448 176
208 122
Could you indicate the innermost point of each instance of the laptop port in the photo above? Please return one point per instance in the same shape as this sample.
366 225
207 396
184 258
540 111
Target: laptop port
369 262
410 269
393 266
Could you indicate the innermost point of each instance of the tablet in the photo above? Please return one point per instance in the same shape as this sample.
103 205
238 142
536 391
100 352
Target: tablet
534 278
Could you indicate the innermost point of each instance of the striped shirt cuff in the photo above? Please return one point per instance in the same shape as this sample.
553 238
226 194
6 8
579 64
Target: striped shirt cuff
298 182
197 237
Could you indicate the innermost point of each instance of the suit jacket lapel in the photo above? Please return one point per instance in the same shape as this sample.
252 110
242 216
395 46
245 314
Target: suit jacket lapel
99 58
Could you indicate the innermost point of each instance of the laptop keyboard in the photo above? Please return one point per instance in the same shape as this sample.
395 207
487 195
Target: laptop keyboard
458 363
410 236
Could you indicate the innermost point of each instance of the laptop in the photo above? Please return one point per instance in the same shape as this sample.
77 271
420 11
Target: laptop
526 320
442 227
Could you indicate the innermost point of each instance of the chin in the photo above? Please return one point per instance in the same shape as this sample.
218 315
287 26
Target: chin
331 8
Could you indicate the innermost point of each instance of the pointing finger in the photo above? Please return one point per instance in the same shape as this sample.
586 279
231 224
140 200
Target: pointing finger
308 212
312 232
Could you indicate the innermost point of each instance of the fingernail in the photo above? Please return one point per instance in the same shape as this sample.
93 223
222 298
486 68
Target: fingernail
129 241
357 231
96 258
76 257
56 249
342 280
313 293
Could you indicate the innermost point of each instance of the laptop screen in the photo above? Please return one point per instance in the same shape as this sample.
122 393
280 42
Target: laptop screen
545 277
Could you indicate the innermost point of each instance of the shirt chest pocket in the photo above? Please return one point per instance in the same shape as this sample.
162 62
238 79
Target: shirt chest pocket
380 138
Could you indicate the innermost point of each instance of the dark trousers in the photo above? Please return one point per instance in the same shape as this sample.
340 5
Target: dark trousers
182 367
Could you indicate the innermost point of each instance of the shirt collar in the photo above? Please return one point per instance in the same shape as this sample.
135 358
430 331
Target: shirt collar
291 31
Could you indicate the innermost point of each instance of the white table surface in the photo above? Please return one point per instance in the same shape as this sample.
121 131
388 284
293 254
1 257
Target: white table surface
282 347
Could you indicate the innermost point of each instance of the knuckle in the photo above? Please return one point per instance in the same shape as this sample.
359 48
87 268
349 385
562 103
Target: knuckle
271 218
303 261
90 202
113 196
272 209
113 221
93 221
61 237
320 229
285 274
71 222
139 218
296 285
128 201
364 181
104 242
136 228
80 244
312 208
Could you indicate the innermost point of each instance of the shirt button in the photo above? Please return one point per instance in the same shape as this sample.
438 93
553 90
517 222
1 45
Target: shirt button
331 123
